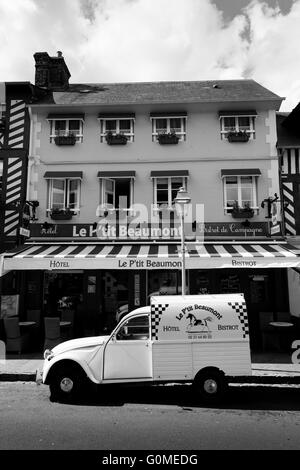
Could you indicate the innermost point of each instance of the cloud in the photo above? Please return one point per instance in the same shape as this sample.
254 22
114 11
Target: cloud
146 40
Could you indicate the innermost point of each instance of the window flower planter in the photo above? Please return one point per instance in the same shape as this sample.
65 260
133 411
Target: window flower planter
165 139
61 214
116 139
242 214
238 137
65 139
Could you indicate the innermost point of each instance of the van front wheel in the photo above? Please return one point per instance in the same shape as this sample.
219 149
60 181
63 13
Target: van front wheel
66 384
210 385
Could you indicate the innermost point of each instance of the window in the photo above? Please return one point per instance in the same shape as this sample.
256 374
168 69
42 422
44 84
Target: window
64 193
241 190
65 127
134 329
116 193
123 126
237 124
166 189
165 125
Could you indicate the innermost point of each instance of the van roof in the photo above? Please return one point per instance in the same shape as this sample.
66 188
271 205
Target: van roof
190 298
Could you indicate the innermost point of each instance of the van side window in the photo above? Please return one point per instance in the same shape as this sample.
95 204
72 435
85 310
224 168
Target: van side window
134 329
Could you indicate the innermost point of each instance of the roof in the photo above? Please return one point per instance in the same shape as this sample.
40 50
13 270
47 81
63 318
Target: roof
287 136
161 92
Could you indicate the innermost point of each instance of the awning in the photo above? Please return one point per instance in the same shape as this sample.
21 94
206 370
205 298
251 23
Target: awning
172 114
116 115
151 256
63 174
63 116
116 174
241 172
169 173
239 112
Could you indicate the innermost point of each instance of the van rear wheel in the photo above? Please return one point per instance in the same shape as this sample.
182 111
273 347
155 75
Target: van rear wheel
210 386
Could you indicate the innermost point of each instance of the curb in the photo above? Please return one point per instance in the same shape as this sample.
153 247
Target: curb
30 377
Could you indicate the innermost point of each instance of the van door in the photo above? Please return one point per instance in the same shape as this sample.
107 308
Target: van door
128 353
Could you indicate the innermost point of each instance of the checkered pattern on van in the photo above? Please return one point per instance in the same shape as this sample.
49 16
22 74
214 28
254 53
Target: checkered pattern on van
156 313
241 310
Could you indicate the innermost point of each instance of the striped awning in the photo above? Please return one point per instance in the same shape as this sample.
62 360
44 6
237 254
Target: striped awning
151 256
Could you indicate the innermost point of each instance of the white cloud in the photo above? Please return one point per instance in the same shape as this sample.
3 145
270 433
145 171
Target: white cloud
134 40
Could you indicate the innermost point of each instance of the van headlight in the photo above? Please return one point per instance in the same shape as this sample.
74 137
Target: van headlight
48 354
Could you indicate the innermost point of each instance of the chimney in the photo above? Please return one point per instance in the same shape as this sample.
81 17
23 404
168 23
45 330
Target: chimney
51 72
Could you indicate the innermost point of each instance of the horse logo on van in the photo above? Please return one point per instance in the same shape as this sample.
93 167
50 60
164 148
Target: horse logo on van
197 322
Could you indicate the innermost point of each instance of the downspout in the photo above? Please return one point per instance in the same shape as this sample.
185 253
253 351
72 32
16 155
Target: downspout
30 156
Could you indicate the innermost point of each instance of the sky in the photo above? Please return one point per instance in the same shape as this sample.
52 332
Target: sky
153 40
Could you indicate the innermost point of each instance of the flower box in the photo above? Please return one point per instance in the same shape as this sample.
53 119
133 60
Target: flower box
65 139
57 214
238 137
165 139
243 214
116 139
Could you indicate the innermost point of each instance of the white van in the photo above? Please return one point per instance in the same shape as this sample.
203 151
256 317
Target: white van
202 339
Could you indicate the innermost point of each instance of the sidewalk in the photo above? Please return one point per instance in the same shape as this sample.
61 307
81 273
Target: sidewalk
277 370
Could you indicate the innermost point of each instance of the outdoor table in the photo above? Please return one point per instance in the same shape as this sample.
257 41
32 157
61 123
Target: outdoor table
64 323
27 323
283 324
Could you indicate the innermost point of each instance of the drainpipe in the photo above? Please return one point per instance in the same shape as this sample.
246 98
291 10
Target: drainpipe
30 156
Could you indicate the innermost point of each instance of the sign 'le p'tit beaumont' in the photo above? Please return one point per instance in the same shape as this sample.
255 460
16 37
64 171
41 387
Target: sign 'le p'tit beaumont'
161 231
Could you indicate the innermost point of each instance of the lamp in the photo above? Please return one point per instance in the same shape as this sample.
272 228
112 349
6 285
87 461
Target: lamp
181 200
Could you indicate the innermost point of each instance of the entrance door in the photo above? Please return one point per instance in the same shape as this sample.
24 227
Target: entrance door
128 354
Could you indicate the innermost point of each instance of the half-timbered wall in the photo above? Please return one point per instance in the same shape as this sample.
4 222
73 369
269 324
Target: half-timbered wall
290 178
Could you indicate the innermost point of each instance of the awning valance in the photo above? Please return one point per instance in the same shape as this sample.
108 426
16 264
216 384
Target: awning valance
116 174
173 114
241 172
151 256
241 113
63 116
116 115
169 173
63 174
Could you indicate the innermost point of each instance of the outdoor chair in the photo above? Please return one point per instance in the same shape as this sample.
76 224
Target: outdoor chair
283 316
52 332
15 341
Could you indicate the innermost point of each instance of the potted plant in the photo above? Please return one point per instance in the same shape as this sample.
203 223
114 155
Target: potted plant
61 214
67 139
168 138
239 136
115 139
242 212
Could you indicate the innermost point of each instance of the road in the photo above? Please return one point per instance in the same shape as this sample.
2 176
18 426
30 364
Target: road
161 418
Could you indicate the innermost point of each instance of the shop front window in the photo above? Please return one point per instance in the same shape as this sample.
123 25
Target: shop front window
62 291
115 301
163 283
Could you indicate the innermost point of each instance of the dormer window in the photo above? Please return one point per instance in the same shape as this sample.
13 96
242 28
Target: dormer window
66 125
168 123
237 122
